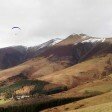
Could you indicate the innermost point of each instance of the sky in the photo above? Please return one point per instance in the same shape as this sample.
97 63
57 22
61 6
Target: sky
42 20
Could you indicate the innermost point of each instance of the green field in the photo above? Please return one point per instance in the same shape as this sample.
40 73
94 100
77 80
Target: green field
3 101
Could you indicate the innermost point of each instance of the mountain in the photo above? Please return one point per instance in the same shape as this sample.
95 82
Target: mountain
36 50
68 52
59 75
51 59
14 55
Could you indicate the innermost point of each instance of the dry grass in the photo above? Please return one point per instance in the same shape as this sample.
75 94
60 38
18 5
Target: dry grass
102 85
100 99
106 107
4 74
33 68
82 72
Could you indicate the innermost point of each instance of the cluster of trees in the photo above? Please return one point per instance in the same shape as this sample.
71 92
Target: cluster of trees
56 90
6 95
46 104
42 105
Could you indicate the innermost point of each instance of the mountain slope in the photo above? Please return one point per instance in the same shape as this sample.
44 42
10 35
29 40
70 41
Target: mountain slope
59 57
73 48
66 71
12 56
83 72
44 65
36 50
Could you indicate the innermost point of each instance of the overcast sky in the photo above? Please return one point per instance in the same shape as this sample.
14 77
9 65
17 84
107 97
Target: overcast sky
41 20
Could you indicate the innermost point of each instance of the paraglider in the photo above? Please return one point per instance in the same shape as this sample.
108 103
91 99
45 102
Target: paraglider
16 30
16 27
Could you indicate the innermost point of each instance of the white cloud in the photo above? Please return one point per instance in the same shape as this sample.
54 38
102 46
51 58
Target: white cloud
41 20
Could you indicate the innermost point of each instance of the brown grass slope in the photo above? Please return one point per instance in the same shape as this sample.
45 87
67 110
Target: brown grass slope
83 72
56 67
43 65
15 55
101 86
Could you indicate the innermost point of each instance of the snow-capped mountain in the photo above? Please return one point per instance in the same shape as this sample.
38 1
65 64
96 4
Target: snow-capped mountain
14 55
36 50
88 39
76 45
48 43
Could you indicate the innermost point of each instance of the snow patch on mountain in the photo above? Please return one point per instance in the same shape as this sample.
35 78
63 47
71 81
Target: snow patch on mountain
50 42
57 40
87 39
47 44
84 37
93 40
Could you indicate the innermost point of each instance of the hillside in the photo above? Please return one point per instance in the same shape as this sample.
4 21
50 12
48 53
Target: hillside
83 72
69 74
15 55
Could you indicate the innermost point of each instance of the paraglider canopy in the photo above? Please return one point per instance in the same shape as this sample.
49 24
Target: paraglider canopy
16 27
16 30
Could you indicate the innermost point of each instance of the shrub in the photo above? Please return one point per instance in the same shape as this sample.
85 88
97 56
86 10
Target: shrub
91 93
